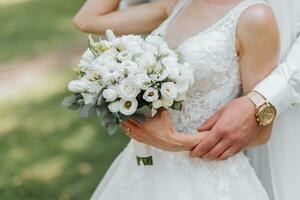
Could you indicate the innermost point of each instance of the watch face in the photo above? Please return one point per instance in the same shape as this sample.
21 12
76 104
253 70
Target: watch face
266 114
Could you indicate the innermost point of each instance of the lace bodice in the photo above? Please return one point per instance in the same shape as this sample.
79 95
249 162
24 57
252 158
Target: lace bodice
213 57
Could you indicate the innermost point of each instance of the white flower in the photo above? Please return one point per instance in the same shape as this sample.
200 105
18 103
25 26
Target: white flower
171 65
128 66
110 94
166 103
108 78
142 81
150 95
114 106
127 89
187 72
124 55
154 39
110 35
88 56
159 76
168 90
83 85
128 107
182 84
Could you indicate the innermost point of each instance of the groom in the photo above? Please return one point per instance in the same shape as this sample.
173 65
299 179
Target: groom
235 125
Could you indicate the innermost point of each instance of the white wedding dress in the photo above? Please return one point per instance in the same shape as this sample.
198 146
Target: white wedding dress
176 176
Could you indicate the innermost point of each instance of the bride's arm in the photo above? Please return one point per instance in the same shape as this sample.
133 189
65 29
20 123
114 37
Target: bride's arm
96 16
258 44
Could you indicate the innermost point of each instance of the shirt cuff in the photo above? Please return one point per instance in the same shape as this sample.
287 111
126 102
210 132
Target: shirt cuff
275 89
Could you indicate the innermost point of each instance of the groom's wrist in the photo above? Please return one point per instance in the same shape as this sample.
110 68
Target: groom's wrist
265 111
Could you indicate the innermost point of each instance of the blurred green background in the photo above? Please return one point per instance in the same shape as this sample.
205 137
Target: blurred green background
46 151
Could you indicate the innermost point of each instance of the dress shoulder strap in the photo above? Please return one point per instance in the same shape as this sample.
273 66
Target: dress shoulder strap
176 10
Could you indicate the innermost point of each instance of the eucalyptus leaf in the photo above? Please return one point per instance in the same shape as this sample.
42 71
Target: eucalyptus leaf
112 128
102 110
68 101
109 119
75 106
177 105
87 110
123 117
140 118
145 110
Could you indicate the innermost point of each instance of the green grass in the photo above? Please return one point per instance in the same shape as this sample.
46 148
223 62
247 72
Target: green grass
34 27
49 152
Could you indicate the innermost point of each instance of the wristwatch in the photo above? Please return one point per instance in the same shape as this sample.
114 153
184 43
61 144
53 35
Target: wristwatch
265 112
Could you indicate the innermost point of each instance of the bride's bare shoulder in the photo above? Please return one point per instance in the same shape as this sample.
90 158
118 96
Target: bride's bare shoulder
168 5
257 26
258 19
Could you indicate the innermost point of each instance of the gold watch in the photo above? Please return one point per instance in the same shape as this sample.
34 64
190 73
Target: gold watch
265 111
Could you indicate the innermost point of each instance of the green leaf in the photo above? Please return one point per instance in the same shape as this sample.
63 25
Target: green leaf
145 110
108 119
69 101
102 110
74 106
140 118
87 110
112 129
123 117
177 105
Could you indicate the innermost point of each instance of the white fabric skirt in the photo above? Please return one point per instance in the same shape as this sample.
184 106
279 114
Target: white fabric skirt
176 176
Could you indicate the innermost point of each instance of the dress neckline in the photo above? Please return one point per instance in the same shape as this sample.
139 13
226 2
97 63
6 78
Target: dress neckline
205 30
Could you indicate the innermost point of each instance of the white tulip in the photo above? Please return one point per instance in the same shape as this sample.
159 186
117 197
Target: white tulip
128 107
127 89
110 94
114 106
168 90
150 95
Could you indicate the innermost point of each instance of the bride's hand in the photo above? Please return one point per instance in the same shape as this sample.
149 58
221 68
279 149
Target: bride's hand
160 133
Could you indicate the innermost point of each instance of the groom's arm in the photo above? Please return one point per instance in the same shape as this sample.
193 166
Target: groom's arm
282 86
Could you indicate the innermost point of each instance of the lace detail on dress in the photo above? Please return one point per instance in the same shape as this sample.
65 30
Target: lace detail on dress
213 56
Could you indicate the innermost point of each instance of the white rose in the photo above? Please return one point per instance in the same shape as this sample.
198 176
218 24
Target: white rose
128 107
127 90
142 81
168 90
110 94
124 55
154 39
114 107
150 95
128 66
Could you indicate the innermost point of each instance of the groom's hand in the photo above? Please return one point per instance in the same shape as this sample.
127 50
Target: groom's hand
231 130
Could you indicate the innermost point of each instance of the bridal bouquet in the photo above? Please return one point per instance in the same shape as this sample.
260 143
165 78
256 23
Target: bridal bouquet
128 77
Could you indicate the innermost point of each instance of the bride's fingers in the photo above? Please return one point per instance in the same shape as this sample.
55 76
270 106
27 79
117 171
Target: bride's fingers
209 124
135 122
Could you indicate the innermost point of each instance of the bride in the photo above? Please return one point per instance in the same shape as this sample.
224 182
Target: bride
231 45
